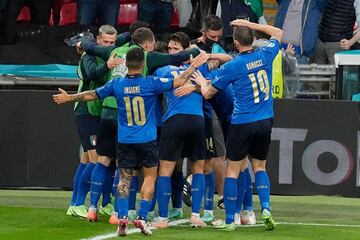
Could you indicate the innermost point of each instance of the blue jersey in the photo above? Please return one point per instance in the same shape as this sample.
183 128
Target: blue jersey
189 104
251 77
136 98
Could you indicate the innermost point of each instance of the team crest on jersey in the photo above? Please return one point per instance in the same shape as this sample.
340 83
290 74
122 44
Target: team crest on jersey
93 140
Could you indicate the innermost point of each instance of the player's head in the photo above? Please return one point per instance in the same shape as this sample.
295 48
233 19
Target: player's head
136 25
144 37
243 37
161 46
212 29
135 59
106 36
178 42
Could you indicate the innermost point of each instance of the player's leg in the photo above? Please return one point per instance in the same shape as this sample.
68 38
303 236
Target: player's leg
247 215
134 186
88 126
241 188
177 183
170 149
82 165
146 194
195 145
122 201
209 191
114 216
237 148
106 149
258 153
147 157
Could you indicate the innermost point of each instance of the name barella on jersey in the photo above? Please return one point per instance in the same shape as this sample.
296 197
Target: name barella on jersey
189 104
251 77
136 98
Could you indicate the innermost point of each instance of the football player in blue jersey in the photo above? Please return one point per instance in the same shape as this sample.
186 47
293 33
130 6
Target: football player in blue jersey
183 125
136 97
250 73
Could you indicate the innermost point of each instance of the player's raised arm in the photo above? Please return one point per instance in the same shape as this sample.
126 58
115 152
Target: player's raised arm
274 32
207 90
185 76
64 97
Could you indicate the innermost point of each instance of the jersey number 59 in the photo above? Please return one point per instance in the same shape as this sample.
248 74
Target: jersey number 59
263 85
135 111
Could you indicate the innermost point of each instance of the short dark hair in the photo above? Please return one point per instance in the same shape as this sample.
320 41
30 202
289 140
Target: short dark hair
142 35
134 58
136 25
212 22
261 35
182 38
244 35
161 46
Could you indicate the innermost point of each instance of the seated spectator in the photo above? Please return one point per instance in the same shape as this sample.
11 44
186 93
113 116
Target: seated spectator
39 10
336 25
106 12
299 20
157 13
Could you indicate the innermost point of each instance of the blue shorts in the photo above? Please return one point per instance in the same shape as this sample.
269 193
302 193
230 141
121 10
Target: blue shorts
87 127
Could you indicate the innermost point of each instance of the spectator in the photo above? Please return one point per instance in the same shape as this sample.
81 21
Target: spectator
201 9
335 28
349 44
299 20
106 11
231 10
39 10
157 13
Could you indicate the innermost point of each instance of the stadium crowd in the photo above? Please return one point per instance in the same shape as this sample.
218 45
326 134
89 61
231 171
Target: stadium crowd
207 101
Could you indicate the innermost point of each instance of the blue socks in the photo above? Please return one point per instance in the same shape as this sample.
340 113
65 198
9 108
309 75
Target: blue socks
122 205
197 191
241 189
98 179
84 186
153 200
263 189
209 191
177 184
114 186
134 186
248 199
144 208
107 189
163 195
230 197
76 182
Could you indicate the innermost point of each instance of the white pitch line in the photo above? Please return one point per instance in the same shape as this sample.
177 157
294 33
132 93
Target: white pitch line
135 230
181 222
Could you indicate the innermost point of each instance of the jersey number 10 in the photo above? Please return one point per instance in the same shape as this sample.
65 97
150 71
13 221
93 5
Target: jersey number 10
263 85
135 111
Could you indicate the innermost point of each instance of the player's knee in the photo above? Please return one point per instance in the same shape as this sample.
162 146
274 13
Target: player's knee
258 165
198 167
104 161
93 157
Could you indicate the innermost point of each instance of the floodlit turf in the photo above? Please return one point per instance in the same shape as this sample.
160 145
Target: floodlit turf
41 215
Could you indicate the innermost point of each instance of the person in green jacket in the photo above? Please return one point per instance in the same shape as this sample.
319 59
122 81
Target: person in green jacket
92 72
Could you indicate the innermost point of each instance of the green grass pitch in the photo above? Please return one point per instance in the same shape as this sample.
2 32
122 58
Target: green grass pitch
28 214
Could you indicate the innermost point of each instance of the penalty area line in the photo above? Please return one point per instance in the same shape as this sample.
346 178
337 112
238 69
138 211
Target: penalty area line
135 230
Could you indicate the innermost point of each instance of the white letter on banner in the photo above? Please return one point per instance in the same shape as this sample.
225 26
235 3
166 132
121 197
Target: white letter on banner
310 162
286 138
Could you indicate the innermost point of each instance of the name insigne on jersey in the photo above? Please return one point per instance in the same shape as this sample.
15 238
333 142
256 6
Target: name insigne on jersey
132 89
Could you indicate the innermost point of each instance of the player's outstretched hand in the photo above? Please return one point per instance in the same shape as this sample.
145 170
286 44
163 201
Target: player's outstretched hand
198 78
241 23
62 97
184 90
199 60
